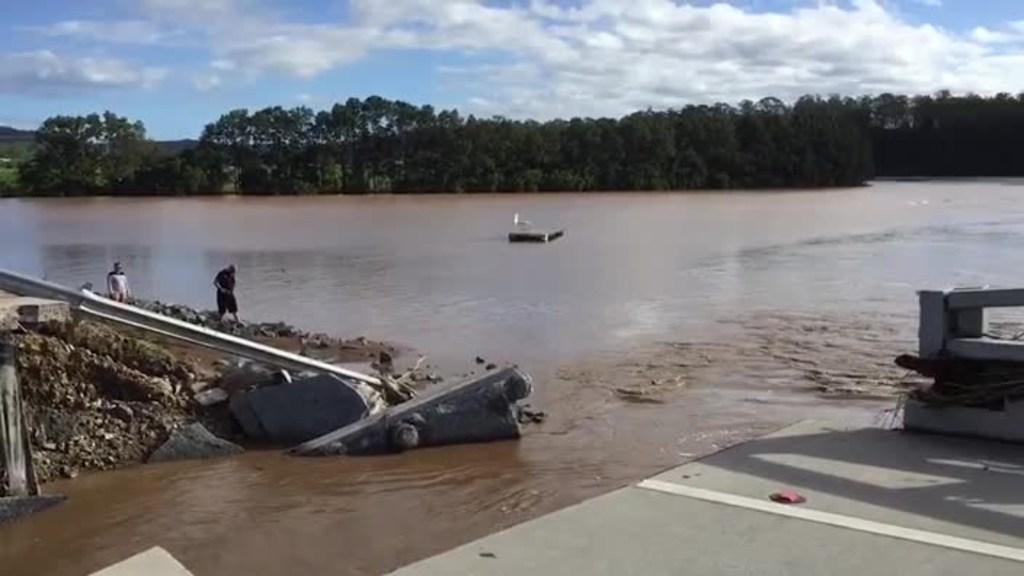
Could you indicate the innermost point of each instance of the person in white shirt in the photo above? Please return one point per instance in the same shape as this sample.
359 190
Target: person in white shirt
117 284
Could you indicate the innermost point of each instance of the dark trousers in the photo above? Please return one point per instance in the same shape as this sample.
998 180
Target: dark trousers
226 303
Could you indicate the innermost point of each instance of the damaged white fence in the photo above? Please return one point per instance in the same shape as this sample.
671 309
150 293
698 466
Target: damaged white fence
953 325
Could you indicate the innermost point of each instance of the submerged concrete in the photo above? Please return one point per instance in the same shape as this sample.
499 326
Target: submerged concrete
194 442
16 507
480 410
878 502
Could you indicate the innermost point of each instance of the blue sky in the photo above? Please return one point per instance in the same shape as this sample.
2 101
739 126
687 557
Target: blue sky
178 64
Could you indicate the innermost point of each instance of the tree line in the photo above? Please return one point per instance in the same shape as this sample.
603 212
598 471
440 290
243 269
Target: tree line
379 145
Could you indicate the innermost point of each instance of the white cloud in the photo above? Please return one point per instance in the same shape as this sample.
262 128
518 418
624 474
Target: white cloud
226 65
1009 33
610 57
302 51
931 3
200 12
45 73
595 57
117 31
206 82
985 35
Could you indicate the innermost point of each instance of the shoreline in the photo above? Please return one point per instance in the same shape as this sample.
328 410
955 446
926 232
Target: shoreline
101 398
399 193
773 369
132 391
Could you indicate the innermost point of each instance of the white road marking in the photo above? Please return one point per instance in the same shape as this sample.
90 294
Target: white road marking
849 522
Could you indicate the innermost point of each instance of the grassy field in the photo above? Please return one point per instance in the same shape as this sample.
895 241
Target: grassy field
17 151
11 155
8 177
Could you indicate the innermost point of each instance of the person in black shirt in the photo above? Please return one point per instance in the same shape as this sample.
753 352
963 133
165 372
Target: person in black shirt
225 283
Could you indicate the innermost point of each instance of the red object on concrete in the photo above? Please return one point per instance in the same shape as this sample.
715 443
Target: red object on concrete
787 497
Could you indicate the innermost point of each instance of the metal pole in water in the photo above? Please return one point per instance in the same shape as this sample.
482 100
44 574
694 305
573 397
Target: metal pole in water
13 441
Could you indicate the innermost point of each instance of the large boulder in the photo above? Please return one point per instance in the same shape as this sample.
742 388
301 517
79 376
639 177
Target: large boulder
193 442
299 411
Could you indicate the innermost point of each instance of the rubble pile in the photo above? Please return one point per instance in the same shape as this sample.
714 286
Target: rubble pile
95 399
249 330
965 382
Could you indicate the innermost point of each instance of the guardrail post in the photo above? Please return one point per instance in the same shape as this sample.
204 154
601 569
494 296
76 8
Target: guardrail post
934 325
970 323
17 455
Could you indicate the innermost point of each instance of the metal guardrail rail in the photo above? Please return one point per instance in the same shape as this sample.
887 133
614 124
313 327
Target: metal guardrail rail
90 304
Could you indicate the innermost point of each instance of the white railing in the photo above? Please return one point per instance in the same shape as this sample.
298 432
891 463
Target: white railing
954 323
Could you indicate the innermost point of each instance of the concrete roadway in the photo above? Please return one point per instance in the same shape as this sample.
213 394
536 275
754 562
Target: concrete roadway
878 502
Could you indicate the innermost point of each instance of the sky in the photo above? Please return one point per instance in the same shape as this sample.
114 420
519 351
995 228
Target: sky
178 64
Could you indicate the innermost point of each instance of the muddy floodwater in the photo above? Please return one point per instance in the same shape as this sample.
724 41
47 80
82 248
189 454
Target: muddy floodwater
662 327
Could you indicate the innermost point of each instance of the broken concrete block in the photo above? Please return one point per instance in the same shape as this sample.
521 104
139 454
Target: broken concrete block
8 319
480 410
211 397
39 311
251 375
194 442
297 412
33 311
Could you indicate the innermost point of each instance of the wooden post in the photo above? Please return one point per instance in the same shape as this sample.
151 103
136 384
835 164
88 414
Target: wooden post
17 456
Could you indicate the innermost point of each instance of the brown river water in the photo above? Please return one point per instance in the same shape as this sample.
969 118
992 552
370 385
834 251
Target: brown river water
662 327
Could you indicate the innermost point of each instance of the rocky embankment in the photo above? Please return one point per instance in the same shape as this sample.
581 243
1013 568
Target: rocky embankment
209 319
97 398
280 334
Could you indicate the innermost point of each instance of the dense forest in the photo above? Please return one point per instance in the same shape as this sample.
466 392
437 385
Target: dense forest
378 145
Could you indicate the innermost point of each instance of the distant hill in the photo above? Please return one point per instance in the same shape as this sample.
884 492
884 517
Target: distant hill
176 146
10 135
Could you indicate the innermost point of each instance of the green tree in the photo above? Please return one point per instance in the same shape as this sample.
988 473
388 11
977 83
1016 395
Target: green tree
86 154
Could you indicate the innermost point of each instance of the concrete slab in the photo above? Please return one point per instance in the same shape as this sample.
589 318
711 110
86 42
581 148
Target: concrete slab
966 488
1006 424
879 502
288 414
153 562
30 310
637 531
483 409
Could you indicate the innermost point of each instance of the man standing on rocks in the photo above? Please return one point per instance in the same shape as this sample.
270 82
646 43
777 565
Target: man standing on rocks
117 284
225 283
